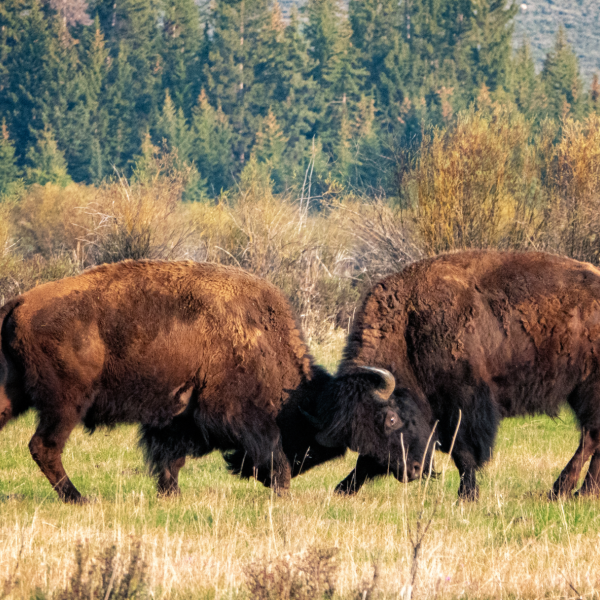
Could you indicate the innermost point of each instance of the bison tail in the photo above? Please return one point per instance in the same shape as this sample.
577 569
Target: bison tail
7 410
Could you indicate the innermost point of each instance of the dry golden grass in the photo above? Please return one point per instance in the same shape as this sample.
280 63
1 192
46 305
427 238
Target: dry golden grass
513 543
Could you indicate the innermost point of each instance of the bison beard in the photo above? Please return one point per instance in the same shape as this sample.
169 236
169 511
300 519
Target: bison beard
488 335
202 356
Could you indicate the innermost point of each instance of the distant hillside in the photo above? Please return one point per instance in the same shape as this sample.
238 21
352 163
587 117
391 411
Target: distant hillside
539 20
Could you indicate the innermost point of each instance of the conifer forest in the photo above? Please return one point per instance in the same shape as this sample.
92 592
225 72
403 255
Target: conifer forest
334 89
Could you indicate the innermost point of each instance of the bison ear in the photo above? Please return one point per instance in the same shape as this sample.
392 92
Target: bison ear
386 382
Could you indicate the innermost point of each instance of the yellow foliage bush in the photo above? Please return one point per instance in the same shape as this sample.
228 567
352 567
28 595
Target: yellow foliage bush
475 183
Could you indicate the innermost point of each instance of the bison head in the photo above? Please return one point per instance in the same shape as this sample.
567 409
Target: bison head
363 410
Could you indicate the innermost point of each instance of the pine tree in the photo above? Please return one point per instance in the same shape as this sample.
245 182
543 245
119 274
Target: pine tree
270 149
95 73
527 89
377 34
562 81
134 37
237 46
595 94
28 79
181 49
122 129
491 43
46 163
9 171
212 145
173 129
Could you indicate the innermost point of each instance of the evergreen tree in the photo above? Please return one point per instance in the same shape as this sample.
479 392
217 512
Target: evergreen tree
595 94
173 129
25 94
212 145
67 109
9 171
121 126
237 46
46 163
270 149
377 34
491 44
135 40
181 51
527 89
562 81
95 74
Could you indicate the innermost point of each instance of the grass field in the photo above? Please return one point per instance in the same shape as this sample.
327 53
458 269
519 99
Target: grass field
513 543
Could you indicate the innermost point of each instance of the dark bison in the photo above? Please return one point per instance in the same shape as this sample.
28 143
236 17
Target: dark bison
491 335
202 356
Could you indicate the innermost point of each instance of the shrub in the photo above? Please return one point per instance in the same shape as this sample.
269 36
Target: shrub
475 184
307 576
573 182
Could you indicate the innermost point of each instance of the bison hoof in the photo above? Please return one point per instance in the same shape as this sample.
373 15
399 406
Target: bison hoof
588 490
169 492
76 499
345 489
468 494
556 493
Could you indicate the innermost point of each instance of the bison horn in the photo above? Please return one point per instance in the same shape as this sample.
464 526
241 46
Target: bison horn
316 423
383 393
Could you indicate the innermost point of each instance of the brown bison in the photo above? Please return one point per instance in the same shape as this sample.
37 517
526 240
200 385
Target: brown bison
491 335
202 356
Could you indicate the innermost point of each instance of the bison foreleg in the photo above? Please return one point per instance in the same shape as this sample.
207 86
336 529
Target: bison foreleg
591 484
168 478
279 471
46 448
467 467
567 480
366 468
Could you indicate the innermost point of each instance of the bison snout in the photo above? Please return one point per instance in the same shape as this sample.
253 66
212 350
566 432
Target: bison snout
413 471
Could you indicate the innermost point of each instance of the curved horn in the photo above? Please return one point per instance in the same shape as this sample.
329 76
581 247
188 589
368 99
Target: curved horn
389 382
316 423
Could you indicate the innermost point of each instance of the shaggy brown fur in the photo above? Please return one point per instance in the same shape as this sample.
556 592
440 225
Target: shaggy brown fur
494 335
202 356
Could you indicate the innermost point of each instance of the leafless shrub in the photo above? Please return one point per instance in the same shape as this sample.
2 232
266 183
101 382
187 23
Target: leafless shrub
106 577
307 576
139 219
383 236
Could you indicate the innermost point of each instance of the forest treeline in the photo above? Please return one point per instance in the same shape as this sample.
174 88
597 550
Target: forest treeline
329 96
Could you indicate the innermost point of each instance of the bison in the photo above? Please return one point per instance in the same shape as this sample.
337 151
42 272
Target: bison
203 357
480 336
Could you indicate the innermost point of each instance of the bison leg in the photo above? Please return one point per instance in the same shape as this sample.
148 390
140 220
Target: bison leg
278 474
168 478
46 448
366 468
6 412
467 467
166 449
591 484
567 480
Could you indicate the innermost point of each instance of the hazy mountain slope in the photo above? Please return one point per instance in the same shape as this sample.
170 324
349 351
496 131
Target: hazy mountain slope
540 21
581 19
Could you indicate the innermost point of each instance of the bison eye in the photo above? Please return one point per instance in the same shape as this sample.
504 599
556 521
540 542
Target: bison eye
392 421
